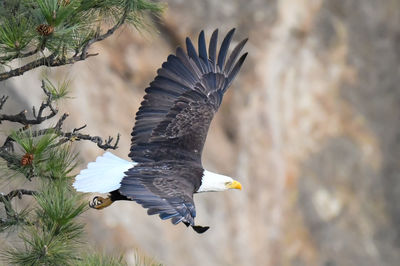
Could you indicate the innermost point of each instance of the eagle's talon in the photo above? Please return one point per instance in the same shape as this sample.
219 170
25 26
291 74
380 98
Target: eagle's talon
99 203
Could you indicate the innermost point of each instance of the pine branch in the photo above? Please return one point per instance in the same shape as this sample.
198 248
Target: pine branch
50 61
45 112
53 60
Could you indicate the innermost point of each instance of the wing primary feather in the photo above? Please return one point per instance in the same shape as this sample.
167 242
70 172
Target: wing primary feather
168 84
174 69
212 49
176 220
233 56
235 70
224 48
167 215
192 52
202 48
180 53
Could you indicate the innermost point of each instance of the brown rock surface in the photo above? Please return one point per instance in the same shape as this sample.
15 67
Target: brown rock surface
310 127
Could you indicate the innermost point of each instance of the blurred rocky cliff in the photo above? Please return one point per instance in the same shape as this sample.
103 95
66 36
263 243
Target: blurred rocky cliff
311 127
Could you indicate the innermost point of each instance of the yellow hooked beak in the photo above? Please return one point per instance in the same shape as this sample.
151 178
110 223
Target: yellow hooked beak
235 184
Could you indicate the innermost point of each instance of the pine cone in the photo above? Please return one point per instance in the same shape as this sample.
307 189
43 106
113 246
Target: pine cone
27 159
45 29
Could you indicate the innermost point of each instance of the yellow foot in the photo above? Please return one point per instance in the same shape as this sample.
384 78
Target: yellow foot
99 203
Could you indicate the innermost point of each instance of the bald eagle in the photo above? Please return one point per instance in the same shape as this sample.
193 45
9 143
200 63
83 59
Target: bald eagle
168 137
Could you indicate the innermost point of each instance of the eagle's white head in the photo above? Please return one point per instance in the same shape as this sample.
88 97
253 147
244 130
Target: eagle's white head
216 182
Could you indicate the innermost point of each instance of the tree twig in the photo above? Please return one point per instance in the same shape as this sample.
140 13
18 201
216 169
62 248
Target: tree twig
38 118
75 135
3 100
6 199
16 193
102 144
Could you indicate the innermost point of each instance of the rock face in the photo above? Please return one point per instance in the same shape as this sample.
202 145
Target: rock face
310 127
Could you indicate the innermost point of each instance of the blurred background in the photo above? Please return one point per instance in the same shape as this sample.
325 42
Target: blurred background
310 127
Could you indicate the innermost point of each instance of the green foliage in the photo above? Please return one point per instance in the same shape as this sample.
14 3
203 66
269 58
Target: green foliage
40 149
30 144
53 233
100 259
73 23
135 17
59 91
60 163
41 248
15 35
55 13
49 160
58 206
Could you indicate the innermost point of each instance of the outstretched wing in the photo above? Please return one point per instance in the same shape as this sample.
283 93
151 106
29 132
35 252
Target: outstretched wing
174 117
164 188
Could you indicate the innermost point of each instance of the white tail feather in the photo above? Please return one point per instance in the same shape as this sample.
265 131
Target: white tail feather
103 175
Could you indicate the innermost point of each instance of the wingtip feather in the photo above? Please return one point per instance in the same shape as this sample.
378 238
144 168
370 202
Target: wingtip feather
235 53
202 47
236 69
224 48
212 50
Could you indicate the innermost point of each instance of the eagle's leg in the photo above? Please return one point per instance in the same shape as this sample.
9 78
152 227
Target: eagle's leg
99 203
